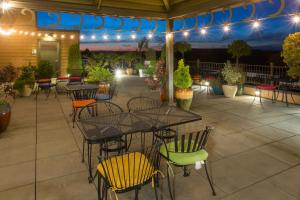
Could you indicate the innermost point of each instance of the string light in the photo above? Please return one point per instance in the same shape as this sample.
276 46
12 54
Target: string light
185 33
226 28
26 33
118 37
54 35
93 37
203 31
72 37
5 6
46 35
133 36
82 37
150 35
21 32
105 37
296 19
256 24
33 34
169 35
62 36
39 34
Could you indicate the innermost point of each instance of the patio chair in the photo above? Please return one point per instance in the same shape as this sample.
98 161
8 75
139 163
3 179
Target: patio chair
129 172
271 88
142 103
186 150
46 86
82 98
107 96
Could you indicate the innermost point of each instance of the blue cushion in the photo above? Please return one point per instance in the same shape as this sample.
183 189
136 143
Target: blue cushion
103 96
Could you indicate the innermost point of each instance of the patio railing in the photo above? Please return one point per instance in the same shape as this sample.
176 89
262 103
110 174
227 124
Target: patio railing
254 74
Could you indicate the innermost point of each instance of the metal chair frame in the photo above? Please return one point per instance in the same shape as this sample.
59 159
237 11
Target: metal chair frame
199 140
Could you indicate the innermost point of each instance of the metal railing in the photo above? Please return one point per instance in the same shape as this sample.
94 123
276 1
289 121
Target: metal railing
254 74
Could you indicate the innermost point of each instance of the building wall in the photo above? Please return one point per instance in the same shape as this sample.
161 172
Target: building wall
17 49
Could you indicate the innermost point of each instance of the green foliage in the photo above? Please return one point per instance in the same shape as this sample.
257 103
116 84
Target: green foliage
150 54
3 102
99 73
130 57
231 74
139 66
45 69
163 52
8 73
150 70
28 74
239 48
19 85
182 77
182 47
74 59
291 54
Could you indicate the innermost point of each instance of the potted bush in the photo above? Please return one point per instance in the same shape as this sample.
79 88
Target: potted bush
5 113
8 74
231 77
183 82
101 76
25 82
45 70
140 67
74 60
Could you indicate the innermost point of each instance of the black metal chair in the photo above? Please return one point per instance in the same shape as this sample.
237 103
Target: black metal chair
46 86
142 103
81 98
128 172
186 150
93 110
107 96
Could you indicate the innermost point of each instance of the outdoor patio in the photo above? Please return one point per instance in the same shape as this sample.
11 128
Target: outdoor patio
254 152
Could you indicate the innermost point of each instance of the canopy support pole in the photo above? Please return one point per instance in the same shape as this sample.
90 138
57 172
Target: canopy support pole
170 59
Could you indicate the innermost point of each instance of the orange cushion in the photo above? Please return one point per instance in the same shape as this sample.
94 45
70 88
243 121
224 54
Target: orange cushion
46 80
82 103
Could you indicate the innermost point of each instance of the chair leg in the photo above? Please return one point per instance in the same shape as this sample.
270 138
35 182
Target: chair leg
155 189
99 187
209 180
83 147
136 194
169 183
74 116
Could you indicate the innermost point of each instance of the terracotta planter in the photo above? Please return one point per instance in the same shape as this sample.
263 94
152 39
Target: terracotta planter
5 114
103 88
229 90
129 71
184 98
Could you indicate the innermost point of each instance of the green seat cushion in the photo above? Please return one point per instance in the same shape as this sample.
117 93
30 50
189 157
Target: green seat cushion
182 158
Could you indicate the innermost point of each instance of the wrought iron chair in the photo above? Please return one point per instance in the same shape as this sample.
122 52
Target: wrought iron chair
46 86
129 172
82 98
142 103
107 96
186 150
93 110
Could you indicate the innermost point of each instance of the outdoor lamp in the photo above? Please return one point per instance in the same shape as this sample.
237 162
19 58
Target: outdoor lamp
206 83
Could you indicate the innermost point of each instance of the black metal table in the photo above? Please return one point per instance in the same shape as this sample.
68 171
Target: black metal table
288 87
74 87
108 127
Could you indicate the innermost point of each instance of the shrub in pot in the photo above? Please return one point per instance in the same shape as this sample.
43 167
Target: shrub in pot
45 70
25 82
183 82
100 75
8 74
5 114
140 67
231 76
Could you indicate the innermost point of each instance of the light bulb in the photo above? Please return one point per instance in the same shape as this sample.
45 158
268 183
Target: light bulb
105 37
5 5
226 28
82 37
118 37
203 31
54 35
150 35
185 33
93 37
33 34
72 37
256 24
62 36
296 19
133 36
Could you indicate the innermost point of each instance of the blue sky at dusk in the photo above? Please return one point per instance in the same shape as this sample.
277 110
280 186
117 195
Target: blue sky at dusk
269 36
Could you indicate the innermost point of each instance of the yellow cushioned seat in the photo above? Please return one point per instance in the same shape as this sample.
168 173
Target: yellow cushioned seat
127 170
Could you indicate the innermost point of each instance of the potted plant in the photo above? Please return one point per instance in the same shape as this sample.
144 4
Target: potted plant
5 113
183 82
291 55
24 84
231 77
8 74
45 70
140 67
74 60
151 79
216 85
129 58
101 76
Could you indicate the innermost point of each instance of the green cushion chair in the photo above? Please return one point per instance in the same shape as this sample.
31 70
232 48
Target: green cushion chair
187 150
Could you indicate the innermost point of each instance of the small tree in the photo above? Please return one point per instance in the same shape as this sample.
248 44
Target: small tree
74 59
129 58
182 47
291 54
239 48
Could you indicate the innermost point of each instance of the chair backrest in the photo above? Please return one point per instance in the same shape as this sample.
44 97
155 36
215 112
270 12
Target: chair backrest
142 103
99 108
84 94
130 170
112 89
192 142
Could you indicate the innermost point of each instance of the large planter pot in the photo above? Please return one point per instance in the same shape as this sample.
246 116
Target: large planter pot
229 90
103 87
184 98
27 91
240 90
141 72
217 90
5 113
129 71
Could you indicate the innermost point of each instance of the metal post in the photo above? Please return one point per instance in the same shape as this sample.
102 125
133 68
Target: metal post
170 59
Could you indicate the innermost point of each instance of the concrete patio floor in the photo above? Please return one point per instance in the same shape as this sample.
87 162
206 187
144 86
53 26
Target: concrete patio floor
254 150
